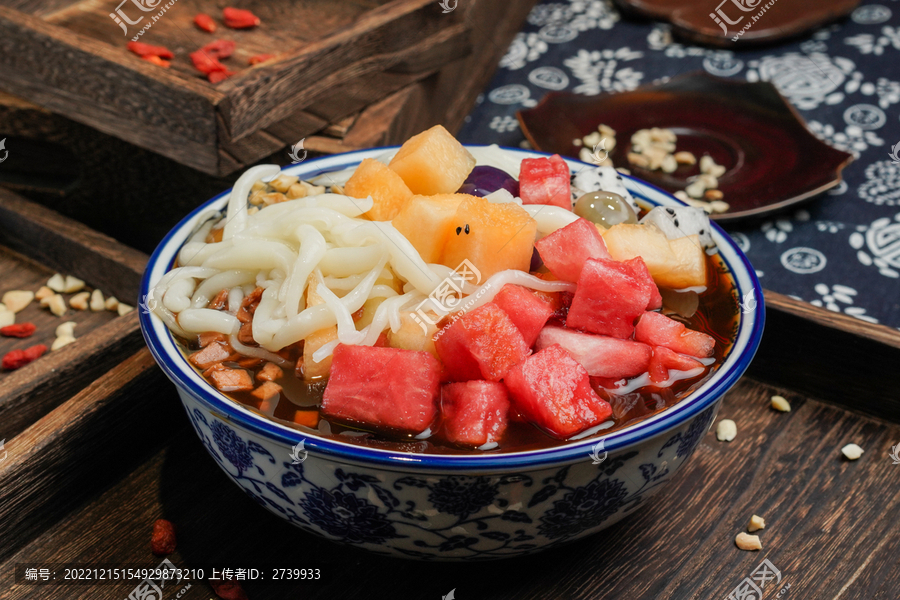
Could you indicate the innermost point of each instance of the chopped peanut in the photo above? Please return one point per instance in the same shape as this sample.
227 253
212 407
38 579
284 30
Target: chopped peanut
283 183
296 191
124 309
336 189
232 380
685 158
756 523
726 430
73 284
213 353
42 293
63 340
98 303
780 403
713 195
57 283
80 301
112 303
745 541
270 372
852 451
67 329
16 300
7 317
266 391
56 304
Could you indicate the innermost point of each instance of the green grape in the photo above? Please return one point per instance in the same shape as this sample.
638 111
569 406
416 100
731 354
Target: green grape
605 208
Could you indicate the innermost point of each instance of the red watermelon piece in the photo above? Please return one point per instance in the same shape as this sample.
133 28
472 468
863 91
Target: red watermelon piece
664 359
565 250
527 310
474 413
383 388
600 355
659 330
482 344
608 298
642 274
545 181
553 391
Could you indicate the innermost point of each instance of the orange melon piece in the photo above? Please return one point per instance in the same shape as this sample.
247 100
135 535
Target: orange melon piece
674 264
433 162
316 370
493 237
373 178
411 336
425 222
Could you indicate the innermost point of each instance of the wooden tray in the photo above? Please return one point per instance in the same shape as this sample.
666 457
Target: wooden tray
34 244
333 59
831 530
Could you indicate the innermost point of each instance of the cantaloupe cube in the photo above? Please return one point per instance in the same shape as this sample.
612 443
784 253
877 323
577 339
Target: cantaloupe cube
411 336
675 264
373 178
493 237
433 162
425 222
316 370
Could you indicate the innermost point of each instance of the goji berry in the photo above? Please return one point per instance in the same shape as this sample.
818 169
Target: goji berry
162 542
217 76
238 18
157 61
205 22
205 63
219 48
228 590
19 330
16 359
142 50
259 58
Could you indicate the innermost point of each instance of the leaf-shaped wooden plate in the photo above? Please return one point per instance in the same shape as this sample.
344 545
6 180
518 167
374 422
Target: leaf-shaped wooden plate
772 159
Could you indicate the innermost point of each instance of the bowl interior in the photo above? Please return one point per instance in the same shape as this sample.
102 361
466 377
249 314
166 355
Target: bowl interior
167 353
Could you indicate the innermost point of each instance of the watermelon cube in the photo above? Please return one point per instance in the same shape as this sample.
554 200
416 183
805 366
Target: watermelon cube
383 388
659 330
608 299
642 274
482 344
553 391
565 250
545 181
526 309
474 413
664 359
600 355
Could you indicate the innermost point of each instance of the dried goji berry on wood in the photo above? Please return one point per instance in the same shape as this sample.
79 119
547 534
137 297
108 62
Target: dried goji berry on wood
260 58
217 76
238 18
157 61
205 63
142 49
205 22
219 48
228 590
19 330
162 542
16 359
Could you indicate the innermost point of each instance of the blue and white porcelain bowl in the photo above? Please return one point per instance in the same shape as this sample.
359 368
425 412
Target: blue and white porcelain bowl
448 506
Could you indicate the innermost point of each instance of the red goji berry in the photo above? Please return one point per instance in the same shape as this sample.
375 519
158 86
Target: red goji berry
157 61
19 330
219 48
205 22
259 58
162 541
217 76
16 359
238 18
142 50
205 63
228 590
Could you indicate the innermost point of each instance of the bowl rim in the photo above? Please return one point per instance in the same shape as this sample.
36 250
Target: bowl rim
176 367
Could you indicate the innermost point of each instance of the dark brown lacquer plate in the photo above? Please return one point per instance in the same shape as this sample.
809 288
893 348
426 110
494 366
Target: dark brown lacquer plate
719 22
772 159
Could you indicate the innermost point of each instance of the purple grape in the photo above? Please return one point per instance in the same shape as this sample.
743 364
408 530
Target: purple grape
484 180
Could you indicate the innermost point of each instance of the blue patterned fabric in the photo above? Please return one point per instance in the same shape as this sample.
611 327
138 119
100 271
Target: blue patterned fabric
841 251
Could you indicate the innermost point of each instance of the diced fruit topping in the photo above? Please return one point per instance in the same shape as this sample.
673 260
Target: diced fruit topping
565 250
238 18
493 237
675 264
545 181
433 162
664 360
482 344
659 330
427 222
553 391
600 355
608 299
374 178
527 310
412 336
681 221
383 388
642 274
474 413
